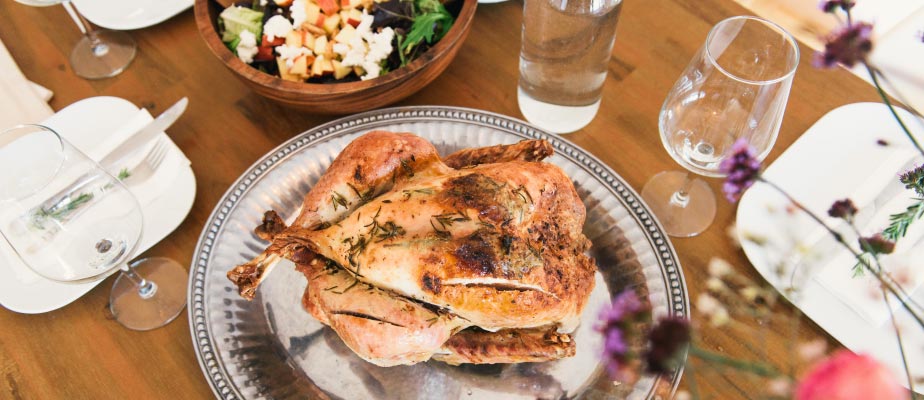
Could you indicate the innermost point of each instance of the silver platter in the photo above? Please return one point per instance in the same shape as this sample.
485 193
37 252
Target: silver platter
270 348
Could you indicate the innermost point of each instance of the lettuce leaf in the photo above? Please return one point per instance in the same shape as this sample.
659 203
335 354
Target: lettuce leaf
237 19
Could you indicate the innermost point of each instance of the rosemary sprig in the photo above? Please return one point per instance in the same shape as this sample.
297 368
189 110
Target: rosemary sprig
441 233
447 219
524 194
355 282
60 213
899 223
406 167
338 199
407 193
364 197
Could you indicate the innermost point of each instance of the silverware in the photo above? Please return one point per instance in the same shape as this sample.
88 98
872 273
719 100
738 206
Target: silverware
149 164
112 162
144 135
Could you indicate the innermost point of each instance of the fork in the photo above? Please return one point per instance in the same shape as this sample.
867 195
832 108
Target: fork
147 166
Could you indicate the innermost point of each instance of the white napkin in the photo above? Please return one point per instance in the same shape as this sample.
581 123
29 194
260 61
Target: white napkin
22 101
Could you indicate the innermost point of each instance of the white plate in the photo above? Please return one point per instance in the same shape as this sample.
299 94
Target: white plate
130 14
839 157
166 198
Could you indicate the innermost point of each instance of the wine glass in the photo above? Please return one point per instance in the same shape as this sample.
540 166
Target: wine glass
735 87
70 221
99 53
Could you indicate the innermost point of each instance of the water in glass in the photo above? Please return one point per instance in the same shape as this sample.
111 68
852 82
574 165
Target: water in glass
566 46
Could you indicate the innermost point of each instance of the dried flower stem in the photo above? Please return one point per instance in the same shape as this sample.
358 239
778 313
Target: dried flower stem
746 366
888 103
885 297
901 345
840 239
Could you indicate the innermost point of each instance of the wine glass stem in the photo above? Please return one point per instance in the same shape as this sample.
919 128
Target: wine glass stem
99 48
146 288
681 197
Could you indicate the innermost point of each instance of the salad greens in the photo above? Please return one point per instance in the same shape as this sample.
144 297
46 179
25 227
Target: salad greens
431 22
233 20
417 25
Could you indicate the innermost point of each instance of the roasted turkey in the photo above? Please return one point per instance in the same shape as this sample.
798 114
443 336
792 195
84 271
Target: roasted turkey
477 257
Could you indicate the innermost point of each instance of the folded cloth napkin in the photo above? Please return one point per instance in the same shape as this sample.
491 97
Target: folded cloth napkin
23 102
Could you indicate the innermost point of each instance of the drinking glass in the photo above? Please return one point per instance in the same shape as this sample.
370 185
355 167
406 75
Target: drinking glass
566 46
70 221
735 87
99 53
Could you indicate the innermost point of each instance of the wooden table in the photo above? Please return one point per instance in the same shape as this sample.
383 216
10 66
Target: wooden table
79 352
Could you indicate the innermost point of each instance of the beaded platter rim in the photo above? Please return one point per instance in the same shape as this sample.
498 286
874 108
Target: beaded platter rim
677 299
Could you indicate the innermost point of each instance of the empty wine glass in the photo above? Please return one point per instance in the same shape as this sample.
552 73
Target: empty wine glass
99 53
735 87
70 221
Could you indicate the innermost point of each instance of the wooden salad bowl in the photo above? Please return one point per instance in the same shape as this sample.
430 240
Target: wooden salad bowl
339 98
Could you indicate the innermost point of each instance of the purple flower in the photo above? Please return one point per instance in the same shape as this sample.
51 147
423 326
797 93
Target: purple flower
914 179
877 244
843 209
617 324
742 169
665 342
830 6
847 46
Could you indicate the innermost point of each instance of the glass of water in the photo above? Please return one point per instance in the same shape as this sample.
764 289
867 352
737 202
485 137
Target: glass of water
70 221
735 87
99 53
566 46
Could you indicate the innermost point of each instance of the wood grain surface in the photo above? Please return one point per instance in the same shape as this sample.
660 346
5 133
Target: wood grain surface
78 352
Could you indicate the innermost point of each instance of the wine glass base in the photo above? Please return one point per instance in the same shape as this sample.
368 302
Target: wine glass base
106 57
678 219
159 307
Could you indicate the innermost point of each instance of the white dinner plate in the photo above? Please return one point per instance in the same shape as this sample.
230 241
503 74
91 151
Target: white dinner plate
130 14
93 125
856 152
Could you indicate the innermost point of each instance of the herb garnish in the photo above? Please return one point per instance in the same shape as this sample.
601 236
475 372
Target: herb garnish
338 199
408 193
363 197
447 219
524 194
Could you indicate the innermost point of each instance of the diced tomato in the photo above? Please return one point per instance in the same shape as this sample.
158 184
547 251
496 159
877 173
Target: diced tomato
264 53
330 7
278 41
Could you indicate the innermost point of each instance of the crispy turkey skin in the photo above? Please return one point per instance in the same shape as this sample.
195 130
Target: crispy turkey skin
409 257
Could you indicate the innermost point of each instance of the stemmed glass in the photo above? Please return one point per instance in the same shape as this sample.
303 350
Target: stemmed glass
99 53
70 221
735 87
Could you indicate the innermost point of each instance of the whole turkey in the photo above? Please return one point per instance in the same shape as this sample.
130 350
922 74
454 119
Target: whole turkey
478 257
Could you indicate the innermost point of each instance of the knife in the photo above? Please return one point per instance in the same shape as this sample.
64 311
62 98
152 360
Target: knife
144 135
112 160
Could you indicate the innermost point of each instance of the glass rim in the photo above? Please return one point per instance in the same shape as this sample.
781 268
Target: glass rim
31 129
770 24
